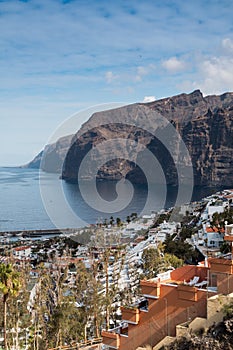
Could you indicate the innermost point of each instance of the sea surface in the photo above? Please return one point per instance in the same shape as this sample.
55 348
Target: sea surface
22 207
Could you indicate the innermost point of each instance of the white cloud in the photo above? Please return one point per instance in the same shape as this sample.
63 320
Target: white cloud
218 75
110 77
173 65
227 45
149 99
52 50
213 75
142 71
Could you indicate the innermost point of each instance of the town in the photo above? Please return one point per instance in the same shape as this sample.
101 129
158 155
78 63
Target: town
121 285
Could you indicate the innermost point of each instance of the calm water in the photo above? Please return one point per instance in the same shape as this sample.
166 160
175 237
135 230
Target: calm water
21 205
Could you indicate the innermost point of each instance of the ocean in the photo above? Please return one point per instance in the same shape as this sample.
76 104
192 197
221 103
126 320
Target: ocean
31 200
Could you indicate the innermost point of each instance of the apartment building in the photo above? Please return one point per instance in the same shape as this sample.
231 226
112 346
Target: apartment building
171 299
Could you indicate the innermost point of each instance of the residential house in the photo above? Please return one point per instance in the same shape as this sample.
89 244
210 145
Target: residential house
22 252
213 236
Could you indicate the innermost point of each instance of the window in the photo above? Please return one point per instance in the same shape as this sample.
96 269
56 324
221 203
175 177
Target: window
213 280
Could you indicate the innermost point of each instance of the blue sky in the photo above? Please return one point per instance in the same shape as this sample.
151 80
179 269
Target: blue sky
59 57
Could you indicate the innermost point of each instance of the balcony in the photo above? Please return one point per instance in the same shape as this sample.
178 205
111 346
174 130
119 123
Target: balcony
221 265
150 289
111 339
130 314
187 292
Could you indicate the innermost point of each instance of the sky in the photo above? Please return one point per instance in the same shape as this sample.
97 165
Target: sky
61 57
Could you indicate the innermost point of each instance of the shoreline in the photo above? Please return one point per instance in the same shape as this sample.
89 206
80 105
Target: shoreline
37 233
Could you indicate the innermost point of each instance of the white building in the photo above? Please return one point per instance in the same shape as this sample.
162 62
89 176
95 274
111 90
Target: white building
160 236
22 252
133 227
216 206
168 227
213 236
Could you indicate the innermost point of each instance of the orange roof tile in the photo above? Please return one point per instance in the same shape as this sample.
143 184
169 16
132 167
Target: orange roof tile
18 249
215 229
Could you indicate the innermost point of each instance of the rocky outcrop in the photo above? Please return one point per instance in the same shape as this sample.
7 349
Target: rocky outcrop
51 159
218 337
35 163
204 123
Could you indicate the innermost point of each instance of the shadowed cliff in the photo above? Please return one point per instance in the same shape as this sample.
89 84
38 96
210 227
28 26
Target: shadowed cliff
204 123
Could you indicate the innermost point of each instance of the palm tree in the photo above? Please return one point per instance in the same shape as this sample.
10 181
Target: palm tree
111 221
9 286
118 221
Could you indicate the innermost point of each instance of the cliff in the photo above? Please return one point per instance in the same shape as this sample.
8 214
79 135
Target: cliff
52 157
204 123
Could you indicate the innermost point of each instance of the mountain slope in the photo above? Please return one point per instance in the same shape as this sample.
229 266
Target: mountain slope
204 123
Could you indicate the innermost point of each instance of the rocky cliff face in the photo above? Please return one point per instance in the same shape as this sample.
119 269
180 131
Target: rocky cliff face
204 123
52 157
209 139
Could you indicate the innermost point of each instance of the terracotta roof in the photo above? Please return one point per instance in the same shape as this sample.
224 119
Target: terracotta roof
18 249
229 196
214 229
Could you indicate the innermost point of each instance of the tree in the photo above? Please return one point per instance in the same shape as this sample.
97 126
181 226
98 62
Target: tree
225 248
186 232
134 216
171 260
228 309
155 261
42 303
110 252
9 286
118 221
67 321
19 319
111 221
151 261
180 249
219 219
83 290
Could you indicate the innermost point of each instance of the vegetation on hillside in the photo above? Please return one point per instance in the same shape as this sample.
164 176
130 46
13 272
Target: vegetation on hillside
156 260
219 219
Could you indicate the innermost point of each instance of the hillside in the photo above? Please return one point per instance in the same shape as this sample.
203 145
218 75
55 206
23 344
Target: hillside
219 337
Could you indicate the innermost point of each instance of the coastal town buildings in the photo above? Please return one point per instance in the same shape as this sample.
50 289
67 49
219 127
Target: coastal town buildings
189 294
173 298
